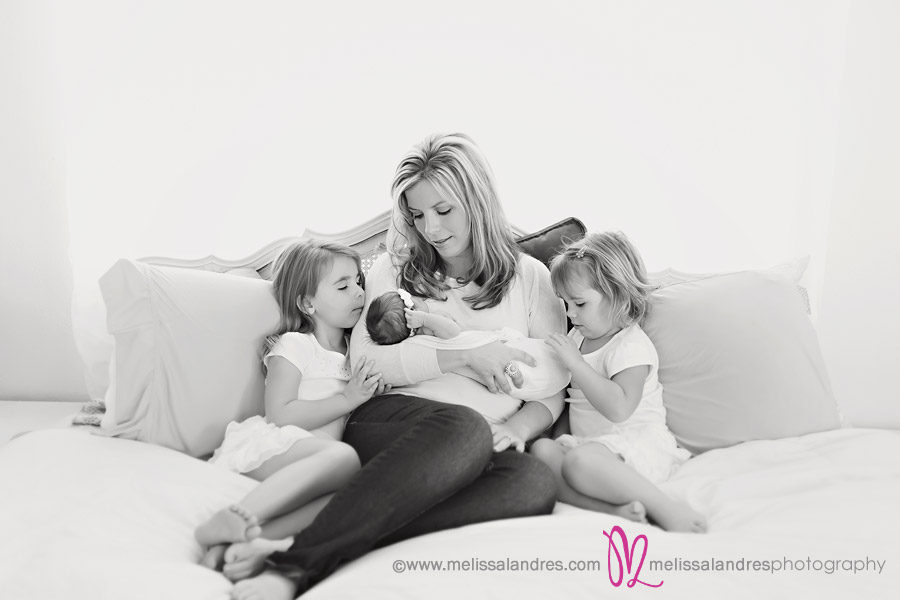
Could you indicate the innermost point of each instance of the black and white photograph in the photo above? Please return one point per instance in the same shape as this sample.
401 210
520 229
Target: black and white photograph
401 300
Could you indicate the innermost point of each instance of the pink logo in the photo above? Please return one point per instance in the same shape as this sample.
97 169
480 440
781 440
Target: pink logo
629 558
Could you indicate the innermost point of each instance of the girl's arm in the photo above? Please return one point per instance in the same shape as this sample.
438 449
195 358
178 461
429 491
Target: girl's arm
284 408
616 398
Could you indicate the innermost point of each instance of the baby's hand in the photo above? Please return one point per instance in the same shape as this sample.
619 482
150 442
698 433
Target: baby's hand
362 384
415 318
505 437
566 349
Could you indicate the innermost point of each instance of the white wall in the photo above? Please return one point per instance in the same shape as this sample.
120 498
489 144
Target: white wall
859 325
708 131
37 354
198 127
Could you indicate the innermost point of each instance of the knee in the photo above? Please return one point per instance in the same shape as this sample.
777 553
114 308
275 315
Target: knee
539 488
544 449
343 457
466 430
575 464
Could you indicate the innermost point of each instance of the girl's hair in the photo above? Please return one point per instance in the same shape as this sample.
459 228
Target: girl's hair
457 169
386 319
610 264
298 271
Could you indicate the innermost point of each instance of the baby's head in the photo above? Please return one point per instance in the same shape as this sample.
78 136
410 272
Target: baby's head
610 264
386 319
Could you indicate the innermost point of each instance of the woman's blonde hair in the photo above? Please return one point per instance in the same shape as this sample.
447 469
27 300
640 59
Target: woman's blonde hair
610 264
457 169
298 271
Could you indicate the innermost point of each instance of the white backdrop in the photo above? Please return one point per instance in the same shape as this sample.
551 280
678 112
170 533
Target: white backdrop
705 130
718 135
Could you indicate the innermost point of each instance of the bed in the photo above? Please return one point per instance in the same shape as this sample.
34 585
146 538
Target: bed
799 504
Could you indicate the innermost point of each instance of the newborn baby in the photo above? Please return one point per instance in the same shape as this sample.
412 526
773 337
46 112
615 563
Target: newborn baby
397 315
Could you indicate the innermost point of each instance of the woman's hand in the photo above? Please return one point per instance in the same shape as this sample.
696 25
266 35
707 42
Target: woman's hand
506 437
566 349
489 363
383 388
363 384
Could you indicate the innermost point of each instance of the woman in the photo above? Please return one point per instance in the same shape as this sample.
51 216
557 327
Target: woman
434 451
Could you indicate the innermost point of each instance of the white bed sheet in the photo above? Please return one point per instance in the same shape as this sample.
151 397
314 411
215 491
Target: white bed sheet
90 517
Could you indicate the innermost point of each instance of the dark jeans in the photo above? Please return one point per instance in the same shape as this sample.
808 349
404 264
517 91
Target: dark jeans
427 466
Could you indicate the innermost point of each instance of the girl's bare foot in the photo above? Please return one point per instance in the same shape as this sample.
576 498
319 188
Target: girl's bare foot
268 586
246 559
633 511
677 516
232 524
214 557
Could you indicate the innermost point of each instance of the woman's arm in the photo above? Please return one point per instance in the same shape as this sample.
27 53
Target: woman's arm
406 363
532 419
546 312
545 317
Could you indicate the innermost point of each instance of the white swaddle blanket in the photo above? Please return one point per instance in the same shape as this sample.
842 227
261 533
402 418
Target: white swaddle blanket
541 381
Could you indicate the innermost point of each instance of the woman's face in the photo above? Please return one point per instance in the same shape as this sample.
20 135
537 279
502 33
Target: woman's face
443 224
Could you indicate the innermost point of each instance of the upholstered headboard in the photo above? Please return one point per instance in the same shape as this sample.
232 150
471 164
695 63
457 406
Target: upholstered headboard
369 240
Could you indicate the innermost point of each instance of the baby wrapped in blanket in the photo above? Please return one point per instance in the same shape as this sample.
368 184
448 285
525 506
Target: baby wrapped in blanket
397 315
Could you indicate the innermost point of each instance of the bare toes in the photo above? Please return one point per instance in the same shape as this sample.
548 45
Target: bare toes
638 511
213 557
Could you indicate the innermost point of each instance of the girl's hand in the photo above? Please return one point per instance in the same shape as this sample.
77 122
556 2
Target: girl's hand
415 318
505 437
490 360
363 384
566 349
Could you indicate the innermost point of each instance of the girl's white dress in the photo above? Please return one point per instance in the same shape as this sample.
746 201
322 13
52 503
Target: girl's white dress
250 443
643 440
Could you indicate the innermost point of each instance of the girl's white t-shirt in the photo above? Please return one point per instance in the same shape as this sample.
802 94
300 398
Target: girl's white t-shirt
629 348
325 373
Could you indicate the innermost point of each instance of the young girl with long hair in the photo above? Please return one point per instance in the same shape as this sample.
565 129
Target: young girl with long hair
295 449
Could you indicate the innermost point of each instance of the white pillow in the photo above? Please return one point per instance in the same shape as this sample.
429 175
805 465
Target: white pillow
97 347
739 360
187 352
